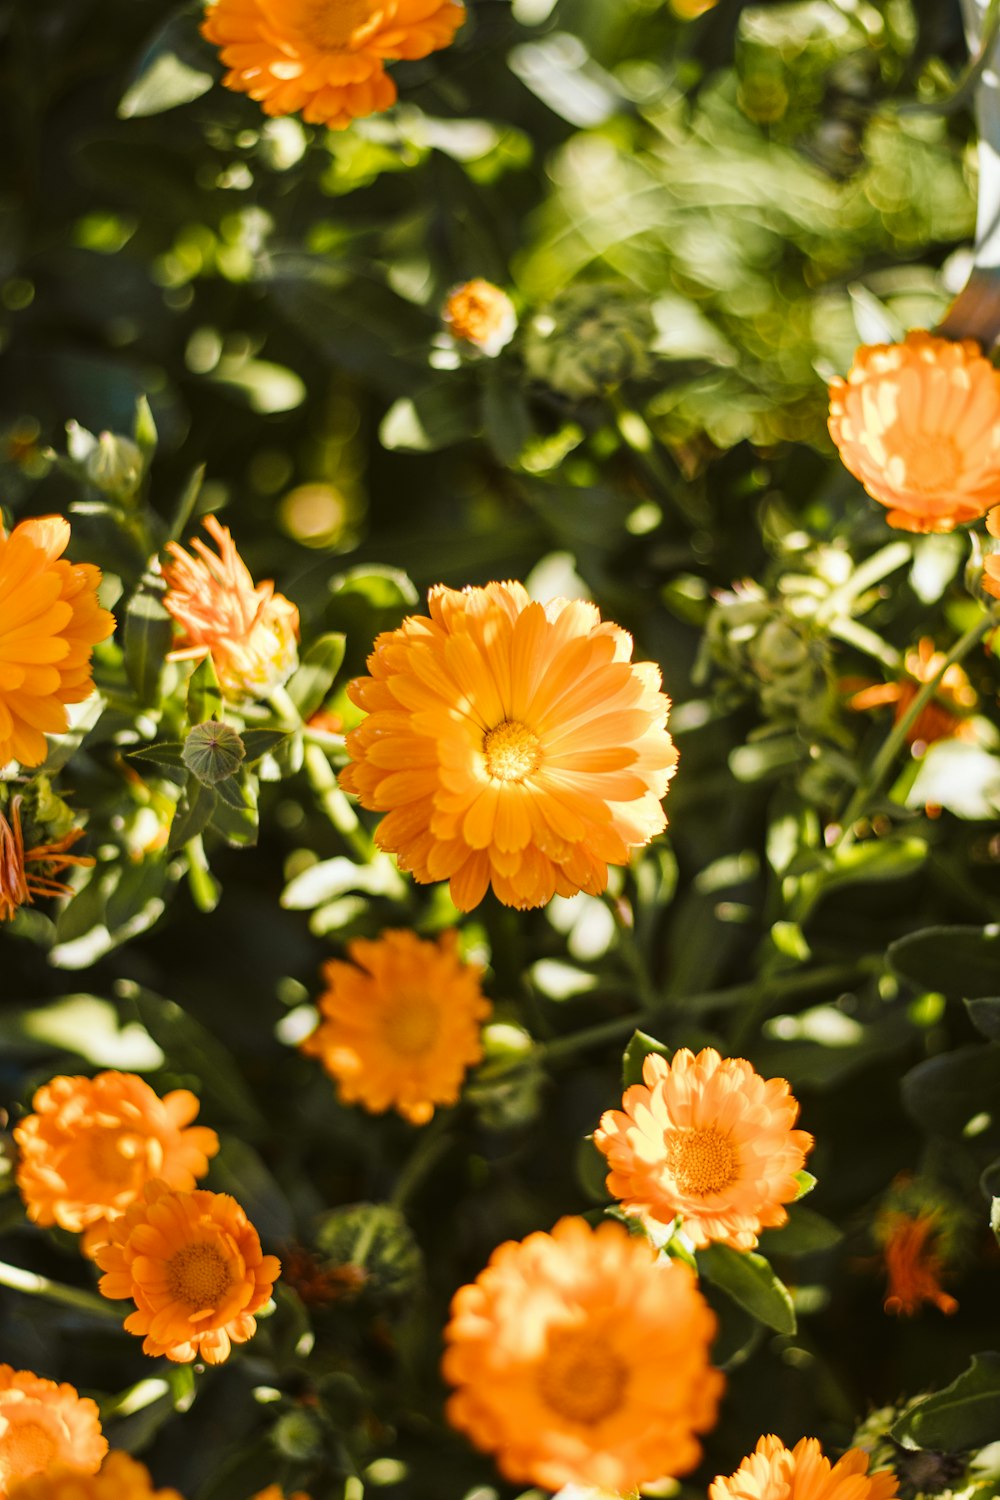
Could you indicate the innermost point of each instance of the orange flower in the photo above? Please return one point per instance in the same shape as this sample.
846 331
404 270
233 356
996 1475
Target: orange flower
581 1357
41 1424
120 1478
275 1492
192 1264
93 1143
706 1139
479 313
323 60
401 1024
773 1473
991 562
248 630
913 1261
510 743
919 424
50 621
19 886
944 718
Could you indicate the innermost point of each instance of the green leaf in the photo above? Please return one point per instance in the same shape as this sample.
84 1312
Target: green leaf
172 72
164 753
433 418
984 1013
149 633
995 1218
505 417
639 1048
806 1233
144 428
194 811
751 1283
806 1182
238 825
239 1170
186 501
204 695
213 752
945 1093
258 742
962 962
965 1415
309 685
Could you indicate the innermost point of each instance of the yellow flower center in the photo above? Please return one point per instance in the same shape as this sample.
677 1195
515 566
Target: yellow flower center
26 1448
330 25
513 751
410 1024
581 1377
112 1155
929 462
199 1276
701 1162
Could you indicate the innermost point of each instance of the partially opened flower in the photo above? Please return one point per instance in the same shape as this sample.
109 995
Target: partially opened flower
510 744
192 1263
43 1424
248 630
773 1472
325 60
919 424
945 717
27 875
401 1023
705 1139
50 622
119 1478
91 1145
479 313
580 1357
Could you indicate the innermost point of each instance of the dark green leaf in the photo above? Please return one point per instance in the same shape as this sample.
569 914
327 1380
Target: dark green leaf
165 753
506 418
984 1013
751 1283
433 418
149 633
193 814
805 1233
239 1170
965 1415
257 742
186 501
961 962
309 685
944 1093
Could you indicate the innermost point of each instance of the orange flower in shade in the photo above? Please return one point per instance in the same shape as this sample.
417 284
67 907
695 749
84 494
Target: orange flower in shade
914 1262
192 1263
248 630
324 59
50 622
944 718
479 313
581 1357
400 1024
919 424
92 1144
19 885
772 1472
991 562
275 1492
510 743
707 1139
119 1478
42 1424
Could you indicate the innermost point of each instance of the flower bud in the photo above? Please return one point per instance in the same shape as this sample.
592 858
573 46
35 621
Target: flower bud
114 466
479 313
375 1239
590 338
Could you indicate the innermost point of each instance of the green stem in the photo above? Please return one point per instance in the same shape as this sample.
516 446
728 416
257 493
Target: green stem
635 433
333 802
34 1285
433 1143
287 714
632 954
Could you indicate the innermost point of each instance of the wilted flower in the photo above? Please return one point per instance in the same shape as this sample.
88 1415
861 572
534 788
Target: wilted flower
579 1357
321 60
707 1139
510 743
589 339
27 874
43 1424
248 630
916 1230
772 1471
50 621
946 717
479 313
192 1263
919 424
119 1478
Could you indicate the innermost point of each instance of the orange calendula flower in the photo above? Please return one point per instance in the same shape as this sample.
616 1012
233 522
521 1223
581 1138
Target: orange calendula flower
42 1424
50 622
275 1492
119 1478
401 1023
706 1139
581 1357
325 60
773 1472
946 717
21 885
510 744
991 562
193 1265
248 630
92 1144
914 1262
919 424
479 313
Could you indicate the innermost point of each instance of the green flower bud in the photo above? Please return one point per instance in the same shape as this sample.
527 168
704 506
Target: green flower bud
375 1239
213 752
114 466
589 339
298 1435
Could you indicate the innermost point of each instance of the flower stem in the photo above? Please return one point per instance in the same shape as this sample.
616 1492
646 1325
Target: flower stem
333 802
434 1141
34 1285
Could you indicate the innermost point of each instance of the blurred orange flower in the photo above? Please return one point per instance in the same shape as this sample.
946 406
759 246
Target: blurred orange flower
401 1024
919 424
322 60
707 1139
50 621
581 1357
192 1263
479 313
248 630
42 1424
991 562
119 1478
92 1144
19 885
944 718
914 1262
510 743
275 1492
772 1472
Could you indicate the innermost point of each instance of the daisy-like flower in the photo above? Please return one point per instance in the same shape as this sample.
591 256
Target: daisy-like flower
510 744
706 1139
29 874
773 1472
275 1492
580 1357
119 1478
991 562
324 59
250 632
91 1145
43 1424
192 1263
479 313
401 1023
946 717
919 424
50 622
